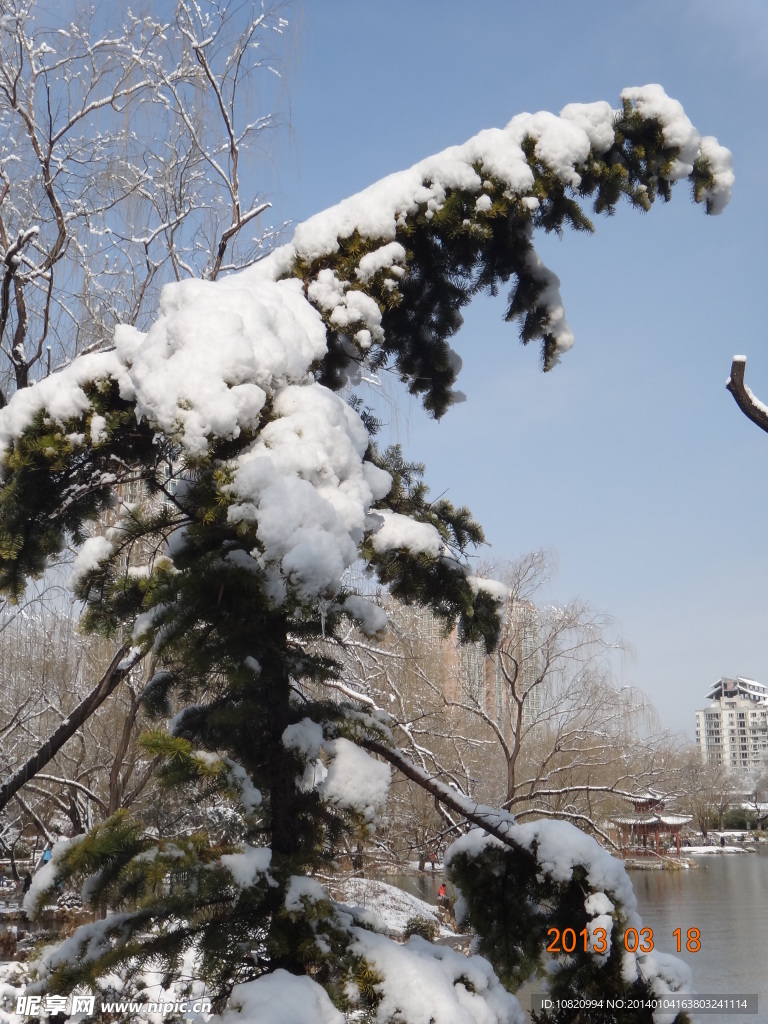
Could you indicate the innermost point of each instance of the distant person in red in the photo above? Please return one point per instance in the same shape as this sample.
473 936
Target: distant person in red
432 859
442 896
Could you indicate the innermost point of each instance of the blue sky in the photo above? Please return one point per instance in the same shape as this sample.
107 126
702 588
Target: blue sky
629 461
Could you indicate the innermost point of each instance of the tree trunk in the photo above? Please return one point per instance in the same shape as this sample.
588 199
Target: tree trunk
282 766
289 856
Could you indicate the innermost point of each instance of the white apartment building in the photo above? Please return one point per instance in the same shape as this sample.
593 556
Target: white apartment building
733 730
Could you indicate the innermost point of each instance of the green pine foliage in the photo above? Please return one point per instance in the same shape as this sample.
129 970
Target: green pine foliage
518 911
458 251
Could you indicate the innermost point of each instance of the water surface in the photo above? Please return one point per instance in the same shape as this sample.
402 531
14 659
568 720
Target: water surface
727 900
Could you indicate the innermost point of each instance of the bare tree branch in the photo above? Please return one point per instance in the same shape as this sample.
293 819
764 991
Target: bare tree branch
752 407
121 665
494 822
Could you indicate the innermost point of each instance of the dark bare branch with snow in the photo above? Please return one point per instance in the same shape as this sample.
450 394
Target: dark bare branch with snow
752 407
121 665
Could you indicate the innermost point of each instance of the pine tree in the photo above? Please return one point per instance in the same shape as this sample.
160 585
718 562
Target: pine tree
272 485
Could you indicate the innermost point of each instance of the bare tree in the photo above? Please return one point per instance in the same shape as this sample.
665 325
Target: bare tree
45 666
707 791
539 727
126 160
757 782
129 144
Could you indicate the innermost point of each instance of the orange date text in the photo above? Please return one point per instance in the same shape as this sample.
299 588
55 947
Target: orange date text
568 940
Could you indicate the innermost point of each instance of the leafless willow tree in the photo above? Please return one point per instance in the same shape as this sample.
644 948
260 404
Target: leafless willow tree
758 792
539 727
130 146
707 790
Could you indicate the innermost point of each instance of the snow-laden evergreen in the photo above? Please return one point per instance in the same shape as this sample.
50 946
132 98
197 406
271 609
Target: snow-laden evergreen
230 408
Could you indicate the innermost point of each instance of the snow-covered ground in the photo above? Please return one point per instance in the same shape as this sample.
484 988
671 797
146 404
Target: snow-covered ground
279 998
392 907
697 850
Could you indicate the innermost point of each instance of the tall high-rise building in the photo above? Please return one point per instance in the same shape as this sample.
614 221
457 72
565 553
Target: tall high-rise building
472 674
521 630
733 729
485 678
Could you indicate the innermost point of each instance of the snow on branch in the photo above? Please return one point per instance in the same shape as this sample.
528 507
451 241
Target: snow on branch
421 242
255 358
751 406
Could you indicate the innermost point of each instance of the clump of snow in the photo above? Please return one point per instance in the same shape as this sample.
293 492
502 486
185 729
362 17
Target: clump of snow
98 429
280 998
666 974
652 101
598 903
205 757
175 721
304 484
601 939
498 591
427 984
94 551
600 909
370 616
560 847
89 942
560 142
379 481
396 532
239 779
383 258
302 887
355 780
45 876
61 396
595 120
557 326
347 306
146 620
721 165
305 736
246 867
214 354
629 967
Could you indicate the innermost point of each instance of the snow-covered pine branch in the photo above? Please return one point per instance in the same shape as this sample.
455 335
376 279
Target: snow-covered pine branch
284 490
